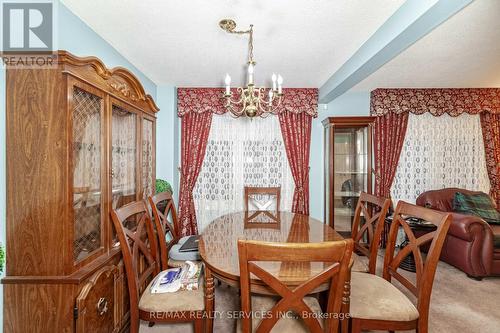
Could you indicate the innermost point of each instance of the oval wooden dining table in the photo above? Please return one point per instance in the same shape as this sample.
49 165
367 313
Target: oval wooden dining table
219 250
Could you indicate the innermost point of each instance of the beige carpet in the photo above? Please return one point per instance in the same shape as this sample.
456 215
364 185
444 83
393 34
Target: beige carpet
458 305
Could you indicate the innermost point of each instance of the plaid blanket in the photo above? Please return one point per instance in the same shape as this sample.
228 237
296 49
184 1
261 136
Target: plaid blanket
476 204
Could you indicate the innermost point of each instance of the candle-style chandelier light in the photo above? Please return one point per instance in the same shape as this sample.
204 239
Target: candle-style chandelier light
250 100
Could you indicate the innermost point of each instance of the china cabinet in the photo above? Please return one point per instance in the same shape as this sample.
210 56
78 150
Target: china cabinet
80 141
348 167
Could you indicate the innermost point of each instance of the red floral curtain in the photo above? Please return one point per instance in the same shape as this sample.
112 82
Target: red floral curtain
389 135
195 128
296 131
490 124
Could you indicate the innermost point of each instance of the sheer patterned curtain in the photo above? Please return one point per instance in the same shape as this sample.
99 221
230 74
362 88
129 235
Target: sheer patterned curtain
240 152
440 152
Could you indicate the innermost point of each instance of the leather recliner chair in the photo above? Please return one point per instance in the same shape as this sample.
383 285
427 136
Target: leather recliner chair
472 245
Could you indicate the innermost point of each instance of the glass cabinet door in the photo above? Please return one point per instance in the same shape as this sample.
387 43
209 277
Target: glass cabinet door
87 203
147 158
123 157
350 157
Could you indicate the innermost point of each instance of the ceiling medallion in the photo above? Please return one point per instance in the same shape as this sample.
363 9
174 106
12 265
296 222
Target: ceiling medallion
251 101
227 25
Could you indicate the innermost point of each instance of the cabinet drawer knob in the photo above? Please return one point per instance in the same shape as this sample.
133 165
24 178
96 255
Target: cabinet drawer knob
102 306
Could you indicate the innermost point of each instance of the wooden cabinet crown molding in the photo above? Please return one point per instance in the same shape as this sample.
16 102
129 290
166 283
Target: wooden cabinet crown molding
117 80
348 121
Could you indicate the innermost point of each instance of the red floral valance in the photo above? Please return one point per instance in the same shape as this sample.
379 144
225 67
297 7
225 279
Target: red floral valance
436 101
295 100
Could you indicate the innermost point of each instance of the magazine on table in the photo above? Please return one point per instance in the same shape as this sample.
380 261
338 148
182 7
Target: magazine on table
171 280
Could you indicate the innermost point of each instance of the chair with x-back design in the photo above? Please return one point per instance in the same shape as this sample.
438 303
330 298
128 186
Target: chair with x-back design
135 232
376 304
367 229
262 205
167 229
335 256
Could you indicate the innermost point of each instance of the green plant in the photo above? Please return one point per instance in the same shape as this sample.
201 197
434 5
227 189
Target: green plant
163 186
2 257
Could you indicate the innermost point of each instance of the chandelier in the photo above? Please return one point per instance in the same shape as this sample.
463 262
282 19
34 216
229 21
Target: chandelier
250 100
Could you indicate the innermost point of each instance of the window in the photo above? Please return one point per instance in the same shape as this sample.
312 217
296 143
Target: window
440 152
240 152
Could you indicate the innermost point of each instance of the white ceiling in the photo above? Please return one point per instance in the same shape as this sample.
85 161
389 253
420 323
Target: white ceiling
462 52
180 43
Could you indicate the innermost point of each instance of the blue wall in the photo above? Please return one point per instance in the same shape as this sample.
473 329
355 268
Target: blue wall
348 104
78 38
177 147
167 136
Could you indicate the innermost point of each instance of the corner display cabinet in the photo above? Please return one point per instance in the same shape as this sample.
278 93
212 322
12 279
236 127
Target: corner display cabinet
80 141
348 168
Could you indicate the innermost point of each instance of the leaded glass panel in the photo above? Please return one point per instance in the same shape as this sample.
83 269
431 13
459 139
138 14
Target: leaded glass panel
86 173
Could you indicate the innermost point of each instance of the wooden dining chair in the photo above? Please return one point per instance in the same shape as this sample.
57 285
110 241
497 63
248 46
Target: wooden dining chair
376 304
167 228
335 256
367 228
262 204
135 232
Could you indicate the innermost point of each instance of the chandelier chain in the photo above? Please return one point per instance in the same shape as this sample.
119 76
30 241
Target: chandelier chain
251 101
250 45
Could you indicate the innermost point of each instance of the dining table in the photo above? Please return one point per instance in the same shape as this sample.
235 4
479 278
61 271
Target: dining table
219 251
